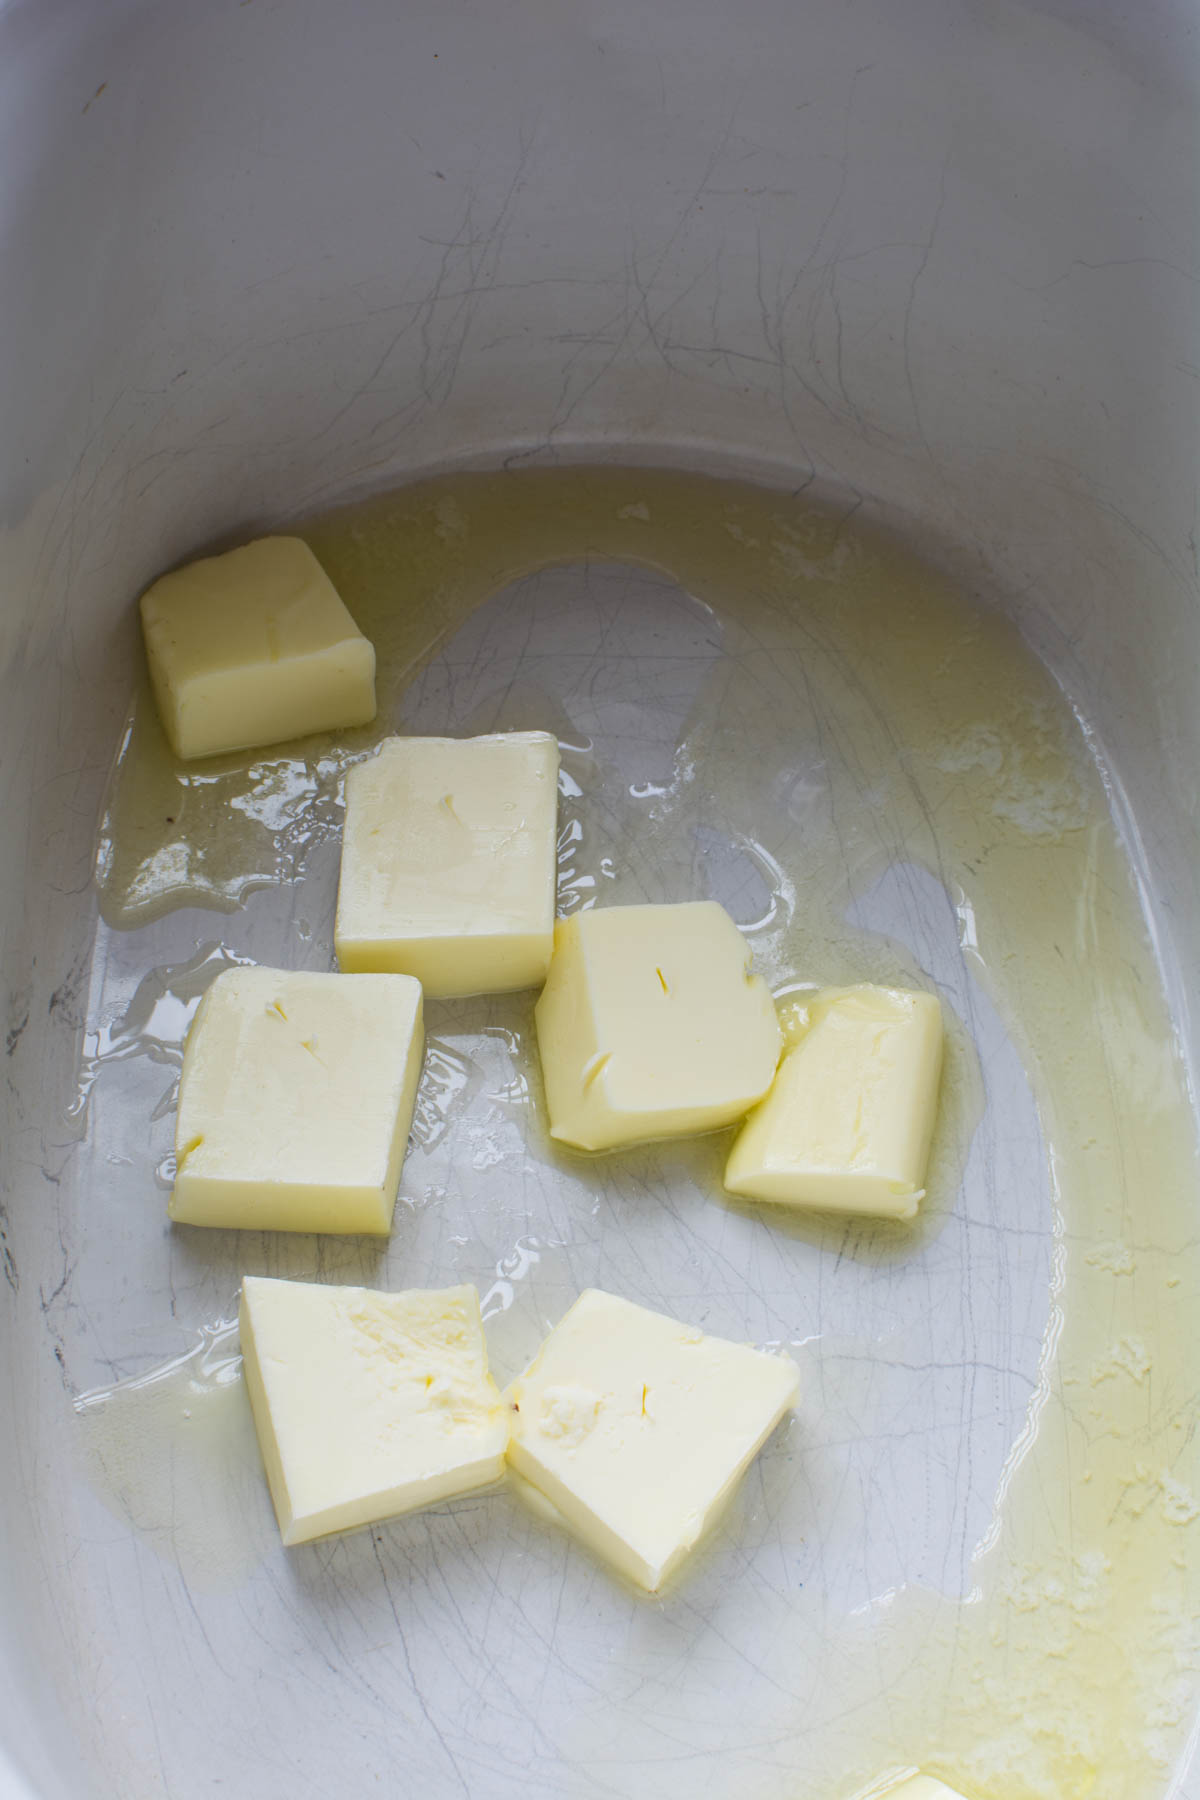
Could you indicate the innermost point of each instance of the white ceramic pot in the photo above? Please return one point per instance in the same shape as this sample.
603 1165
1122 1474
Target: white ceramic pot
261 256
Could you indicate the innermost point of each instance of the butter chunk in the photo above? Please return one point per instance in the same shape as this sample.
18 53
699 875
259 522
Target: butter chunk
651 1025
253 647
449 862
295 1101
638 1428
848 1123
921 1787
367 1404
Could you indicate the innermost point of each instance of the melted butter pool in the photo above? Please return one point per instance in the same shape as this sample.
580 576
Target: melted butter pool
975 1548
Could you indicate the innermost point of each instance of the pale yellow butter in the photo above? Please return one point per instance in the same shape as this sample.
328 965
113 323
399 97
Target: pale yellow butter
637 1428
847 1125
449 862
367 1404
253 647
652 1025
920 1787
295 1101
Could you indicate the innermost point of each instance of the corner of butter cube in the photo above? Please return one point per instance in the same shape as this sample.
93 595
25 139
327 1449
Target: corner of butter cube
638 1429
295 1101
367 1404
253 647
652 1025
913 1787
449 862
848 1123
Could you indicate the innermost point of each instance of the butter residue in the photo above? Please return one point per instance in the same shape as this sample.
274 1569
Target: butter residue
172 1452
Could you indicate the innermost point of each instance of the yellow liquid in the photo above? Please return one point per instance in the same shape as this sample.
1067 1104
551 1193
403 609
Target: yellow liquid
858 716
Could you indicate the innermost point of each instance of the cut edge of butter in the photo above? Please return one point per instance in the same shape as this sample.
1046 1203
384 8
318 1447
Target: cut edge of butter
909 1784
256 675
411 902
278 1403
848 1122
219 1185
652 1025
624 1427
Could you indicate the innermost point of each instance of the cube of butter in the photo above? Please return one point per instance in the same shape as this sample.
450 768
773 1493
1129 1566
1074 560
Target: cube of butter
638 1428
848 1123
921 1787
295 1101
367 1404
651 1025
449 862
253 647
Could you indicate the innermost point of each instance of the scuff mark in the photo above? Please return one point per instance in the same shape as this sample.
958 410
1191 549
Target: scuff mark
14 1035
